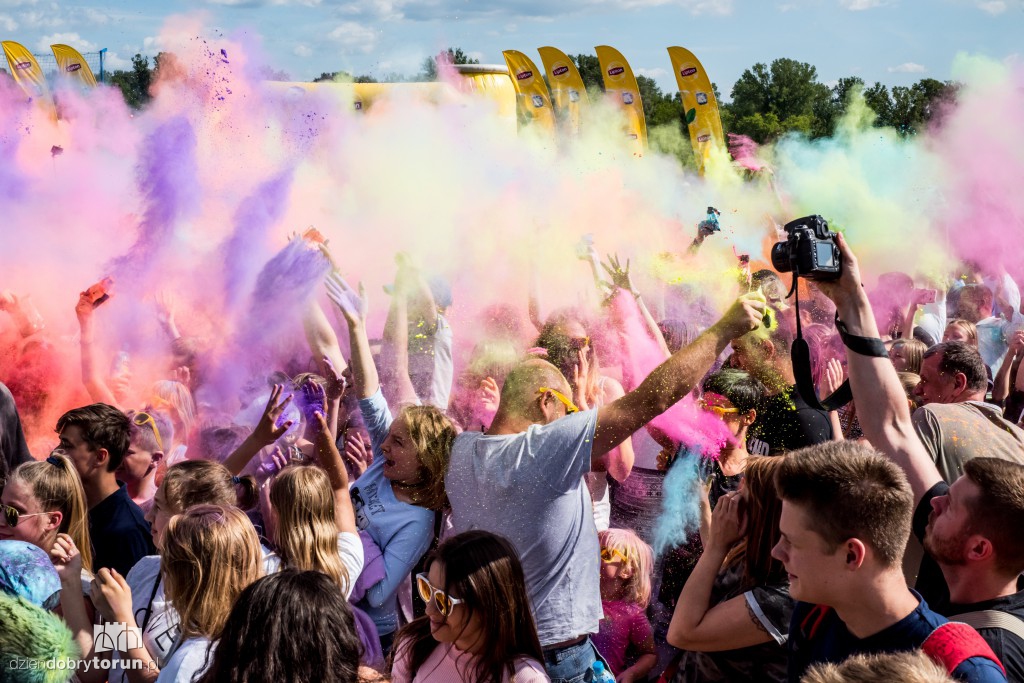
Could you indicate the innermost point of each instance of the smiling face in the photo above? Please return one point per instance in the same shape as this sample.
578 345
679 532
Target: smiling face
402 459
458 627
813 570
32 527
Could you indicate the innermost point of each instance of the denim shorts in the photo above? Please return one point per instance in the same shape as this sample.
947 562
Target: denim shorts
572 664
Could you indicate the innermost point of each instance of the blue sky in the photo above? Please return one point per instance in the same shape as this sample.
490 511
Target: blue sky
896 42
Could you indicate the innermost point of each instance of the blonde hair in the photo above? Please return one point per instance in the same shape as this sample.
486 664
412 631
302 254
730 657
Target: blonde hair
433 434
913 666
193 482
176 399
913 353
56 485
639 559
306 533
969 329
210 554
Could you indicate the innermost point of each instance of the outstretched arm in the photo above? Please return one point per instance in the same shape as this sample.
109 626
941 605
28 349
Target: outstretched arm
265 433
676 377
878 395
94 384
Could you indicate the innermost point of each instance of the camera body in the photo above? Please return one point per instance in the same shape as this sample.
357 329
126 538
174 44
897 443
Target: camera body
810 250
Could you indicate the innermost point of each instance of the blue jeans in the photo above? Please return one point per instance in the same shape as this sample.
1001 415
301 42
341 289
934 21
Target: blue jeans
572 664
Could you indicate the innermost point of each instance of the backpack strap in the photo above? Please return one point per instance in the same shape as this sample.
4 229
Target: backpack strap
812 621
991 618
953 643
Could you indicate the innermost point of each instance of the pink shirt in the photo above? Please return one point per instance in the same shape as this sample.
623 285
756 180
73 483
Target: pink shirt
625 624
448 664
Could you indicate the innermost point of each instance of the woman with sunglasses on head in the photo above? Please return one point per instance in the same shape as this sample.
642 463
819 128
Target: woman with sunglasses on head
732 617
570 350
144 595
398 500
43 503
478 626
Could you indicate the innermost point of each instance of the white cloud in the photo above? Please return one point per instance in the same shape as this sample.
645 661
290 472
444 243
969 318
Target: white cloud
71 39
7 23
303 50
114 62
654 73
788 7
153 44
354 37
95 16
861 5
908 68
993 7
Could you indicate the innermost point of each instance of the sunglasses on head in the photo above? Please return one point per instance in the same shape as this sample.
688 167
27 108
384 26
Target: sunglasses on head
141 419
442 601
610 555
570 407
13 515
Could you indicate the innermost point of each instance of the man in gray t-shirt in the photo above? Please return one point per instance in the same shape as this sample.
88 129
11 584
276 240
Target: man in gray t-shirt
523 479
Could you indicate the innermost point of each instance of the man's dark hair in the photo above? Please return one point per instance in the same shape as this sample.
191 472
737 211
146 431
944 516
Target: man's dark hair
849 490
102 426
998 513
742 390
956 356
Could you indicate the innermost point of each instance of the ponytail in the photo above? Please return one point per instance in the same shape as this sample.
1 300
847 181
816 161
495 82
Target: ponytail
56 485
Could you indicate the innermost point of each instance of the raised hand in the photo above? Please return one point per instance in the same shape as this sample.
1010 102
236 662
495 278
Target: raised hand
267 430
112 596
67 560
745 315
729 521
352 305
357 452
314 400
619 275
336 382
831 378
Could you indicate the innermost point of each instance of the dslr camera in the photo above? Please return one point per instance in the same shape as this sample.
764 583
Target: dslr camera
810 250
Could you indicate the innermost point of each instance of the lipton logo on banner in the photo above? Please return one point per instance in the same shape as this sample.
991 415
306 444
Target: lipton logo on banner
615 70
523 75
23 65
559 70
688 71
73 67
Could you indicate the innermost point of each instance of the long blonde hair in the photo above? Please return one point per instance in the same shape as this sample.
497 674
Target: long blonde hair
306 533
56 485
210 554
639 558
433 434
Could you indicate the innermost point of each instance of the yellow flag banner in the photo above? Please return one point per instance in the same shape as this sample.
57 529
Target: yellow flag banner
620 84
531 92
699 104
71 64
567 89
25 69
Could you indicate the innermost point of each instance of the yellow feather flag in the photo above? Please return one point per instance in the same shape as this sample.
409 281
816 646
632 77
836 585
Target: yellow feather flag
531 92
620 84
72 64
567 89
25 69
699 104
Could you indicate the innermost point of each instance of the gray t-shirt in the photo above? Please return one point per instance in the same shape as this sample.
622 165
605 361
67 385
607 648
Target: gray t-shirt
529 488
954 433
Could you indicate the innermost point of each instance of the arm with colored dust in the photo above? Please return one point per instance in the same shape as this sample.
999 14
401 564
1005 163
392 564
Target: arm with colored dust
422 308
330 460
406 284
264 434
353 308
94 384
1008 370
22 312
165 309
533 299
672 380
323 342
621 279
878 394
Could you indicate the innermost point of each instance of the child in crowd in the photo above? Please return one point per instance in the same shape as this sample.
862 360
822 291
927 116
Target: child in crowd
626 635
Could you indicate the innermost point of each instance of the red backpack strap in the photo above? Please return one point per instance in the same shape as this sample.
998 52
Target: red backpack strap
953 643
811 622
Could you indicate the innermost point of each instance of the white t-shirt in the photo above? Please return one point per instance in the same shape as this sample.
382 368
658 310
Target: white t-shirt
350 550
447 664
163 626
188 662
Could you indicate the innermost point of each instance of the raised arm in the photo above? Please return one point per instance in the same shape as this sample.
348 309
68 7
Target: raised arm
353 308
878 395
94 384
264 434
330 460
676 377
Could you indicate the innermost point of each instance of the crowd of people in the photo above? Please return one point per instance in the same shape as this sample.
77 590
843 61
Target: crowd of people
532 513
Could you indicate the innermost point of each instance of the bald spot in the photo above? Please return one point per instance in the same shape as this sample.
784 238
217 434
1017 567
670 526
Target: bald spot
520 388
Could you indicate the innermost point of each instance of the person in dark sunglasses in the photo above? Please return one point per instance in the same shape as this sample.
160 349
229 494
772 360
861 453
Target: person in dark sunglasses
478 626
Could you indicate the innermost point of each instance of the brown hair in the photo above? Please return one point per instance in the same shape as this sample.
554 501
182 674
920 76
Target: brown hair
961 357
306 534
210 554
56 485
483 570
194 482
102 426
912 666
969 329
434 435
764 508
849 491
998 513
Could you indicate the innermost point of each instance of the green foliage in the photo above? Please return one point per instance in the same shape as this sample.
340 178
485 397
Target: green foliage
134 83
428 72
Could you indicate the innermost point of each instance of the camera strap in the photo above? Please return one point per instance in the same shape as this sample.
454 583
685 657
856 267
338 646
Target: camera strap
801 356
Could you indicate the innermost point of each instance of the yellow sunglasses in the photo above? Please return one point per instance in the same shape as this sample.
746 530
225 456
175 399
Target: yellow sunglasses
570 407
442 601
141 419
717 410
610 555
